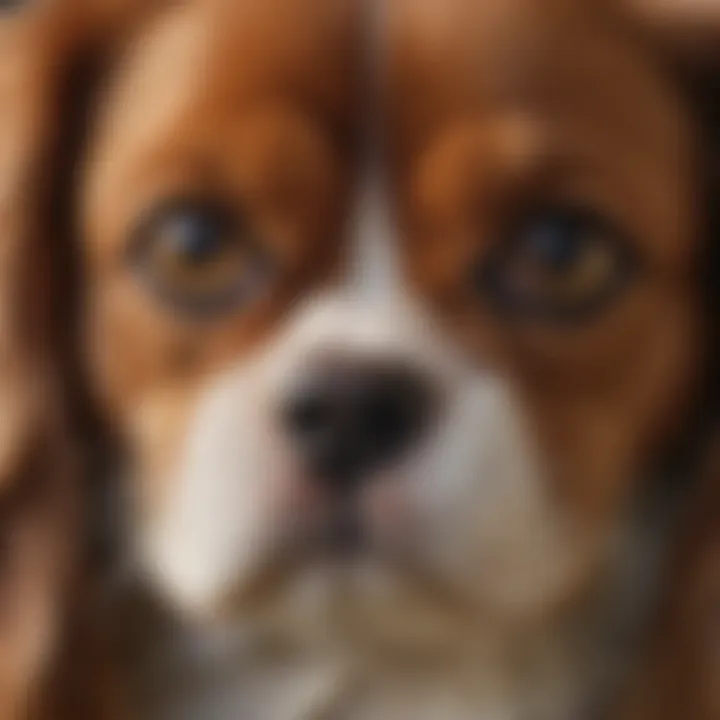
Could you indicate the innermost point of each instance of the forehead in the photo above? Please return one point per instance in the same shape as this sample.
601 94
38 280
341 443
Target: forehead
578 60
203 60
573 59
599 119
212 85
574 68
250 46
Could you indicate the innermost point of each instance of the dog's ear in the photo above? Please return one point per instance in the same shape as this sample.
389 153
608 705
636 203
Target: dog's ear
680 675
681 678
686 34
38 491
49 54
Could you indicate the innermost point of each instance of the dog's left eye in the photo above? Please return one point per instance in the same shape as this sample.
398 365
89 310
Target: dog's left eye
557 264
198 258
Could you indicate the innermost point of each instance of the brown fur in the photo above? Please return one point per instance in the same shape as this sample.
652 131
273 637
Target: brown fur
47 631
528 114
476 124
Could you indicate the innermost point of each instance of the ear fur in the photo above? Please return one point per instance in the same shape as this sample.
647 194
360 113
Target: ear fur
681 678
45 587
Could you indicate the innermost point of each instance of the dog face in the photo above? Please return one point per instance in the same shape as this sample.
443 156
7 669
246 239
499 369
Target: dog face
427 380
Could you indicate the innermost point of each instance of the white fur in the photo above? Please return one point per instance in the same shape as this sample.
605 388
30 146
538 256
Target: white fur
471 548
475 489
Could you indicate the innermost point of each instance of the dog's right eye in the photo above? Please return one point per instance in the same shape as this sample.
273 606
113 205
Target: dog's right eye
198 258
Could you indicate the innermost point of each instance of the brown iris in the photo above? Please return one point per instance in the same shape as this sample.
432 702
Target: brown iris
198 257
557 264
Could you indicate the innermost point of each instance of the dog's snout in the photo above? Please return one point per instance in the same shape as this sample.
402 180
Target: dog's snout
350 420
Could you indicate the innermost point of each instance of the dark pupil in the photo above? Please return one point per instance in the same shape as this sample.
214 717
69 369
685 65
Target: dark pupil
555 242
197 239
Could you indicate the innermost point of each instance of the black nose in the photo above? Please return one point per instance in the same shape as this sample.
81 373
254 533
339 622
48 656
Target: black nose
350 419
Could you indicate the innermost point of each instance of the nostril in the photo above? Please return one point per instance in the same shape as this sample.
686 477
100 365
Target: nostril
392 414
308 414
351 419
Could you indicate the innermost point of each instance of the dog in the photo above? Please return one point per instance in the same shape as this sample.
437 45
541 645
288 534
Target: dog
394 314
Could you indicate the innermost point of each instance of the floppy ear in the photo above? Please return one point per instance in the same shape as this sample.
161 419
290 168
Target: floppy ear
48 50
681 675
687 32
38 480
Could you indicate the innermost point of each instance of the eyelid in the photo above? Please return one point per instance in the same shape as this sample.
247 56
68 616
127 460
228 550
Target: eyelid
212 304
525 308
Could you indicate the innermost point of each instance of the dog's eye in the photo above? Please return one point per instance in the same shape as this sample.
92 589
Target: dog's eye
199 258
557 264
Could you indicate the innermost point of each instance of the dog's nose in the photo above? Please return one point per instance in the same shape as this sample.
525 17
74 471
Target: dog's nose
351 419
